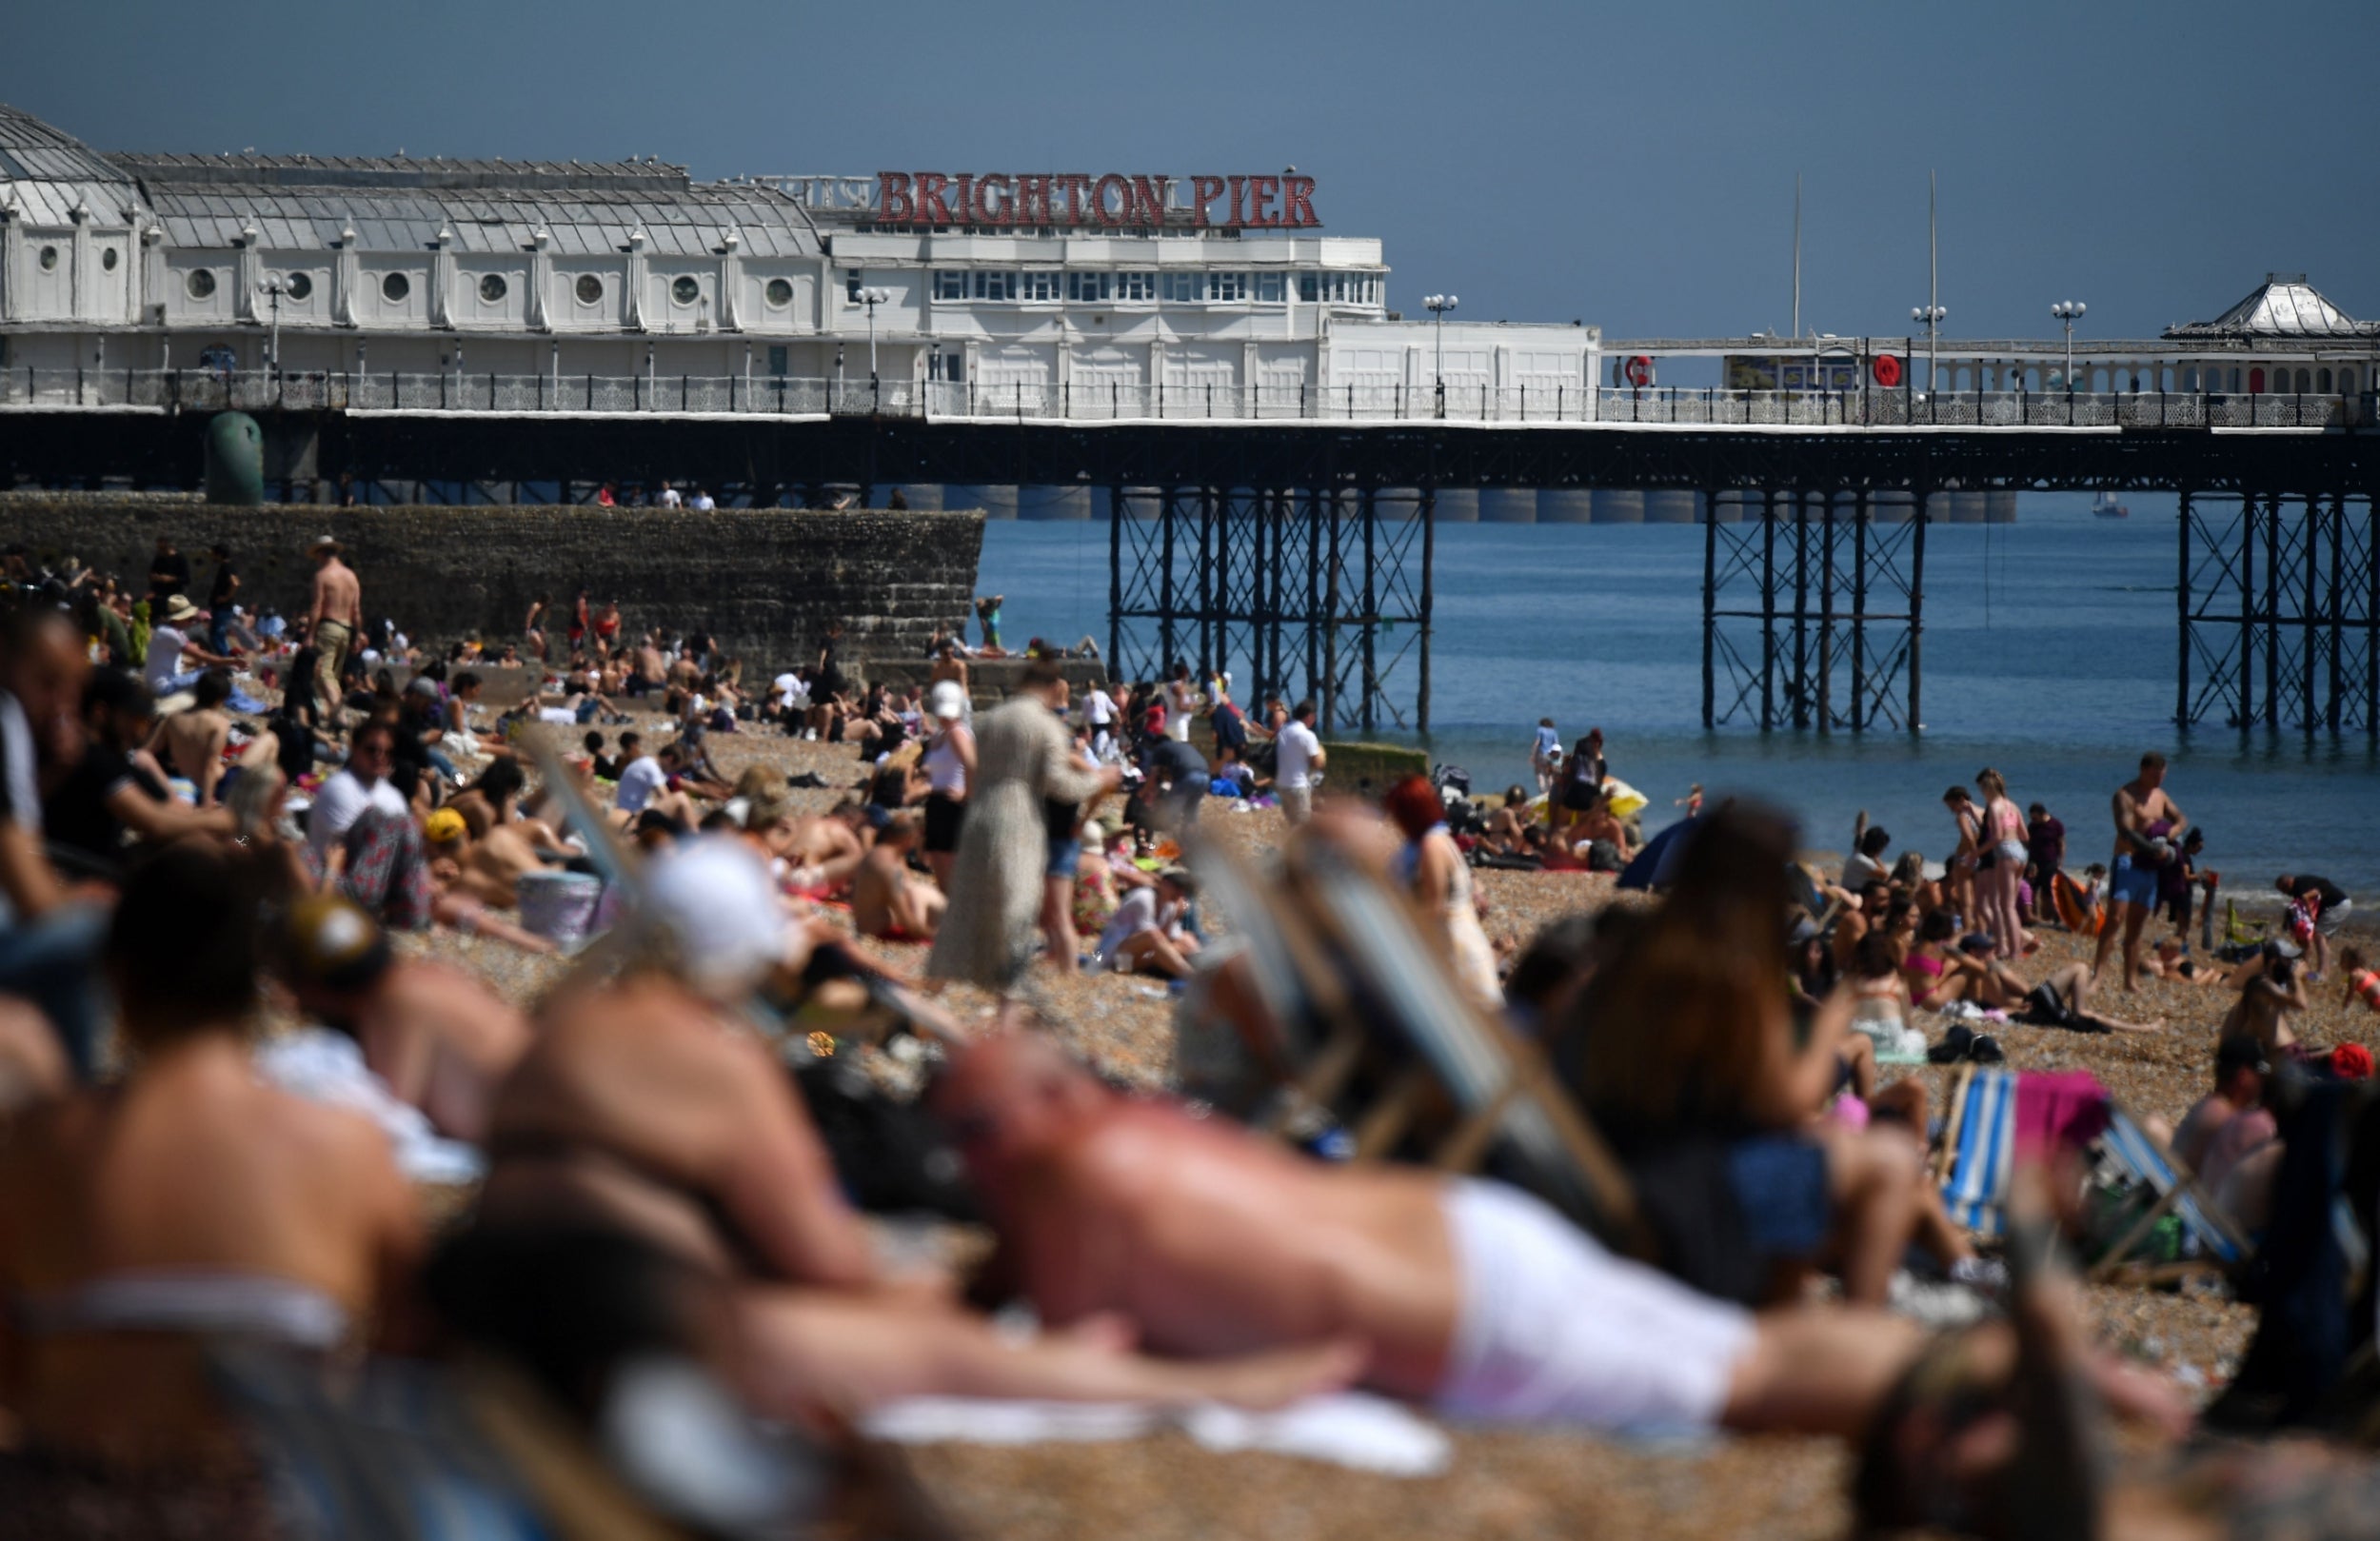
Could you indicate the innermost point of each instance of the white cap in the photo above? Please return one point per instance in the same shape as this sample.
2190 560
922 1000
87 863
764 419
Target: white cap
947 701
713 900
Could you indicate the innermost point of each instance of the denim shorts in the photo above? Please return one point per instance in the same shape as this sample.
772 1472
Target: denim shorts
1065 857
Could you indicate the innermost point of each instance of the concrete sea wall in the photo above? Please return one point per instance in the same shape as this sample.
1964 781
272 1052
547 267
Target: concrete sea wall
766 582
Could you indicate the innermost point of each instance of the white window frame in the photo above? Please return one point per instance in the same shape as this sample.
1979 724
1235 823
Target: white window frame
1089 287
984 284
1272 289
1135 285
1182 286
950 283
1040 286
1227 287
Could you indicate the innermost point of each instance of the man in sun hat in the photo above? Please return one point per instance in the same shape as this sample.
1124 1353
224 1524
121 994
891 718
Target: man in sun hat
337 612
175 659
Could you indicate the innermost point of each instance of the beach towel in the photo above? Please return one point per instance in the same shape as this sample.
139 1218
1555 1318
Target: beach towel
1352 1428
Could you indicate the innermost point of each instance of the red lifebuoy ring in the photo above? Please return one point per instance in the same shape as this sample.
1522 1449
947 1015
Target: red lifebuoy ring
1887 369
1639 371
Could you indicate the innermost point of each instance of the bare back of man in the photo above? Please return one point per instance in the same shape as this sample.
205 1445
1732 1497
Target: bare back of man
191 744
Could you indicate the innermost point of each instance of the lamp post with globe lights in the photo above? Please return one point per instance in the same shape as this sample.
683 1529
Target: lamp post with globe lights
872 298
1932 315
2068 312
1438 305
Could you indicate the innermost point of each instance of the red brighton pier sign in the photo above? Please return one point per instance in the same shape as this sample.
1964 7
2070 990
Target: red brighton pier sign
1255 203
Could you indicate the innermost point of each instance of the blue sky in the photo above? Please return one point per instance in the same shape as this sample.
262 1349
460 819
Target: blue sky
1629 165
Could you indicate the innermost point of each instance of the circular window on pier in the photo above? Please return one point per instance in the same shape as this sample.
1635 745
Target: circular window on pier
107 258
780 293
201 284
491 288
49 258
685 291
298 286
589 289
395 288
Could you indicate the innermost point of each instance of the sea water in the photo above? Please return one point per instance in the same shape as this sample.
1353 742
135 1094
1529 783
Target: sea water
2048 653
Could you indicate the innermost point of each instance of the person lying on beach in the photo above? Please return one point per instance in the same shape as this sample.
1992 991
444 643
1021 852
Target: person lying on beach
185 1198
1476 1300
645 1111
441 1039
888 901
805 854
2063 1001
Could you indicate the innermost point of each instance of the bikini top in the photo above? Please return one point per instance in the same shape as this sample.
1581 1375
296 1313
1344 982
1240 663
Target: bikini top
2366 984
198 1301
1921 963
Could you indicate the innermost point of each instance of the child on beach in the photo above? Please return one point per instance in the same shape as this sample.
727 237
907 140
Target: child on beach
2363 981
1545 755
1692 801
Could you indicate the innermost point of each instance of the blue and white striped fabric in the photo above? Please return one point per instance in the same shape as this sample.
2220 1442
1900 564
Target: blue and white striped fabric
2133 1150
1976 1184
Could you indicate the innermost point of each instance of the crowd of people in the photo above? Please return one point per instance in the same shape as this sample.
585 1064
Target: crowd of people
230 1078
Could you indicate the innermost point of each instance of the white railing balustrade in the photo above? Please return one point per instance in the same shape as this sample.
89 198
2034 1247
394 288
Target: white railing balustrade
1178 401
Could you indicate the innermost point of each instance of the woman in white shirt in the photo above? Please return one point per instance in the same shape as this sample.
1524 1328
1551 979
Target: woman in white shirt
950 762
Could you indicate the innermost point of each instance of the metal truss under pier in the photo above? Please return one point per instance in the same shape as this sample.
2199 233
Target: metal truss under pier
1296 591
1811 611
2280 612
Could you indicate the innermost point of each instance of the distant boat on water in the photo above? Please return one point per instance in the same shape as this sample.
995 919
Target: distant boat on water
2105 506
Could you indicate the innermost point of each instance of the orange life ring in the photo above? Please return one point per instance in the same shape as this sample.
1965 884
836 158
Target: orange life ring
1639 371
1887 369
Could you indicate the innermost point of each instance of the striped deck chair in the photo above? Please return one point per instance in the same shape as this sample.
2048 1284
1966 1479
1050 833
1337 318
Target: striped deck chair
2141 1156
1979 1151
1350 981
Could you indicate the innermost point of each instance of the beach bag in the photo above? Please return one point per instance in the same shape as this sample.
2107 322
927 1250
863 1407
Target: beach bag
892 1158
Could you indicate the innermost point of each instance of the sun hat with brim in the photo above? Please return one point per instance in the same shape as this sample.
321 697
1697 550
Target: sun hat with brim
323 544
180 609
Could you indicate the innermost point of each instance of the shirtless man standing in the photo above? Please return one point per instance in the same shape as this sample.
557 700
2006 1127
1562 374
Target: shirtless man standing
337 613
191 742
2139 804
887 902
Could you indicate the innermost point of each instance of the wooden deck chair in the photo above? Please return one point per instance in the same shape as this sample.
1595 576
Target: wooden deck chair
1335 950
2140 1156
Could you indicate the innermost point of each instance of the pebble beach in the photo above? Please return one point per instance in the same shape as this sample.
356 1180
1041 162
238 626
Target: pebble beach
1499 1484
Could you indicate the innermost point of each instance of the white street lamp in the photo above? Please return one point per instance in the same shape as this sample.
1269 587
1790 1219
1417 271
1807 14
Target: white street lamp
272 289
2068 312
872 298
1438 305
1932 316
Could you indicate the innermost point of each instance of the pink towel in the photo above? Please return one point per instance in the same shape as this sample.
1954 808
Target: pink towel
2065 1108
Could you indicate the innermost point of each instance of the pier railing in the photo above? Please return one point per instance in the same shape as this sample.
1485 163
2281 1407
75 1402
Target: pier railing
1098 401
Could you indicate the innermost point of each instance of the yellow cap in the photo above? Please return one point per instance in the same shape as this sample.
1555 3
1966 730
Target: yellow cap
442 826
